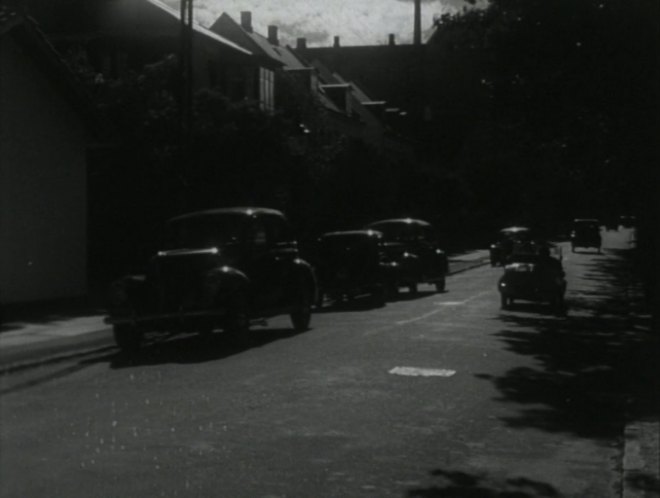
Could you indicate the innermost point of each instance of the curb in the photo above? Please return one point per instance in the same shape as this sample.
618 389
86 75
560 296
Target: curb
641 460
27 356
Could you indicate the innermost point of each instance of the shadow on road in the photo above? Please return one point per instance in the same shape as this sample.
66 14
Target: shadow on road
192 348
597 371
463 485
598 365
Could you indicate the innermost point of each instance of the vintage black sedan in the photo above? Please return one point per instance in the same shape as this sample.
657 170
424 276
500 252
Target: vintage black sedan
585 233
507 240
218 269
354 263
413 245
534 273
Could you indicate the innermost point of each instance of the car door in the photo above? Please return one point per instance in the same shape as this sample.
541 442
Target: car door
270 261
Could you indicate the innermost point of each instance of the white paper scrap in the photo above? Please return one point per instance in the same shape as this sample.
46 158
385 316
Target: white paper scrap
422 372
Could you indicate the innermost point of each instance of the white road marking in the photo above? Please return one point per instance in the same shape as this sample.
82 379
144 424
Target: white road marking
422 372
442 303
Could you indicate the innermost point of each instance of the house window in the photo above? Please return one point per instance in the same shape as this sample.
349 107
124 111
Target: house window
266 90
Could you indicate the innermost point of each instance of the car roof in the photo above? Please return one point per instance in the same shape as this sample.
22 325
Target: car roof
353 233
245 211
515 229
406 221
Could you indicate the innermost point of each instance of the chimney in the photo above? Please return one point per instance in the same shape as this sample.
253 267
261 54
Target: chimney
336 44
246 21
391 38
417 33
272 35
301 43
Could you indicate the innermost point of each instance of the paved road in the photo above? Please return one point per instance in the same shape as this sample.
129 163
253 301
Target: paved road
437 395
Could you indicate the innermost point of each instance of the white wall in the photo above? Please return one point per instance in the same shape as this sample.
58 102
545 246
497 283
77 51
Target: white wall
42 185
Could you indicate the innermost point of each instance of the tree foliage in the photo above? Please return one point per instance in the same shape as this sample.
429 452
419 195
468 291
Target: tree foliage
573 88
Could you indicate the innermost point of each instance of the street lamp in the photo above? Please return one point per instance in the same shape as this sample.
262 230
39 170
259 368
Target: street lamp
186 68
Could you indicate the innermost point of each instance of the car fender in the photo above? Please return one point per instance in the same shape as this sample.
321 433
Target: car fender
224 281
126 294
304 272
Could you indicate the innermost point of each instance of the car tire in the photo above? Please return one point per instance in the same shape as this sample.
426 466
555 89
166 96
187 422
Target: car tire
128 337
413 289
379 296
301 315
505 302
441 285
320 297
238 320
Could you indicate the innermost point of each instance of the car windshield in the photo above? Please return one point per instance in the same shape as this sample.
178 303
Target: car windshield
347 242
515 234
403 232
204 230
586 226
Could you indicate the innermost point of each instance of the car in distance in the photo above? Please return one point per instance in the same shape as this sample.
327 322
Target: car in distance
413 245
507 240
533 274
585 233
627 221
218 269
353 263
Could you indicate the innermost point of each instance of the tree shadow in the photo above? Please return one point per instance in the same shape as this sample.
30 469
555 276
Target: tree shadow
455 484
598 365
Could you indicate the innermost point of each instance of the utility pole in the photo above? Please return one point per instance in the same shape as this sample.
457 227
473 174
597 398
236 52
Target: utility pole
186 69
417 28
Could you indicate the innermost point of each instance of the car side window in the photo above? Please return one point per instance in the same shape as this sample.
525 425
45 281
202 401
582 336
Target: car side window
278 231
259 235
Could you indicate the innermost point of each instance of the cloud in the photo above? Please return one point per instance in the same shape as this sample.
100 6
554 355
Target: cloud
365 22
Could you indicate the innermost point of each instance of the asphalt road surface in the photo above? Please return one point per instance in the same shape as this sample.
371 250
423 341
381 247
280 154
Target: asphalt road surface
435 395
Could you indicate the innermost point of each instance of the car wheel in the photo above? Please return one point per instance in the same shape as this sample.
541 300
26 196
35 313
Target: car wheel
441 285
413 288
505 302
128 337
392 291
238 320
320 297
379 296
301 315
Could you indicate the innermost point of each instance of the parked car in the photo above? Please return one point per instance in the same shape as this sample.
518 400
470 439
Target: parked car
535 274
585 233
508 239
218 269
354 263
627 221
413 245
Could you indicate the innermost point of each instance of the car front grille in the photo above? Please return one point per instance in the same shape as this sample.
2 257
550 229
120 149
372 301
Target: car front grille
179 282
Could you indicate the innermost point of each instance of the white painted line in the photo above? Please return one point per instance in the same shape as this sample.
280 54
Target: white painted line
441 304
422 372
417 318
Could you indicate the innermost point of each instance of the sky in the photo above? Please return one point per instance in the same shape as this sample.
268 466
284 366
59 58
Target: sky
356 22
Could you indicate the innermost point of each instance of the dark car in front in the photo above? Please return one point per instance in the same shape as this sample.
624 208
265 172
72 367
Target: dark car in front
507 241
585 233
413 244
217 269
534 273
